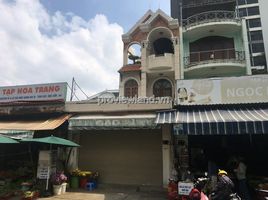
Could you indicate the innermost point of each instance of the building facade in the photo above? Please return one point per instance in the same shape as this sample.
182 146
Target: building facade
117 130
221 108
248 13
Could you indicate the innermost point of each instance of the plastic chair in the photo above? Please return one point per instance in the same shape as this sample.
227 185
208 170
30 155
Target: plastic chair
90 186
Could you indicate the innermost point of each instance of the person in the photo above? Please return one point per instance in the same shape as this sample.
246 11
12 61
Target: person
241 177
196 194
224 187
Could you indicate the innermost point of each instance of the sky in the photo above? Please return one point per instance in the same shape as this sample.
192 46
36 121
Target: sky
47 41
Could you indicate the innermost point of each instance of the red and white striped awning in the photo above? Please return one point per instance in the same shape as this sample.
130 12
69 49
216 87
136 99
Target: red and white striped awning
219 121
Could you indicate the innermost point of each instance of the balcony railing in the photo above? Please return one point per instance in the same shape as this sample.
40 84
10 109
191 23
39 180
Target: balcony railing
214 56
211 16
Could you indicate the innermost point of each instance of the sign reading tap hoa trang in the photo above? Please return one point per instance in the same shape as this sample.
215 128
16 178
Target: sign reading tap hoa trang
39 92
244 89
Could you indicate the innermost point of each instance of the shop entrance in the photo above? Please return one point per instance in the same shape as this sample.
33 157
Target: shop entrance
222 149
132 157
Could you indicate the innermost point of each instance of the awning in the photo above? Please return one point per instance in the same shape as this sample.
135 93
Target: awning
32 124
219 121
101 122
17 134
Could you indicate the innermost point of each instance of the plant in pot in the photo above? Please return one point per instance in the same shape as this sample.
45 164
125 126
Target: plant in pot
57 179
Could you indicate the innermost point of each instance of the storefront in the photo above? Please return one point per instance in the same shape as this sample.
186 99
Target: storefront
123 148
28 111
232 123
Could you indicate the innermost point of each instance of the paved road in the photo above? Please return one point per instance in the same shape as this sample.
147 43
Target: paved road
113 192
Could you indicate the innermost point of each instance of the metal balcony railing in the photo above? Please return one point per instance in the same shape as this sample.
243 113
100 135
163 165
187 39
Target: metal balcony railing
211 16
214 56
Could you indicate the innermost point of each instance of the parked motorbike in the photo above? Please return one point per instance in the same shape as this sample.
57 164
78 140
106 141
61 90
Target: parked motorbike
173 190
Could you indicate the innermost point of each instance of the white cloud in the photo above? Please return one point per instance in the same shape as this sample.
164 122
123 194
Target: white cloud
36 47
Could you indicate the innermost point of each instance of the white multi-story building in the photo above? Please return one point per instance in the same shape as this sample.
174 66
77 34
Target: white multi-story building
223 12
254 13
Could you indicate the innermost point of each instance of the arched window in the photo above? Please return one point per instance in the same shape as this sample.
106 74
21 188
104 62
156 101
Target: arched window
131 88
162 88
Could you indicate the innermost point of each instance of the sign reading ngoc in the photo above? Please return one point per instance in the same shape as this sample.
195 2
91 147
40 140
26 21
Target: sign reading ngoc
244 89
38 92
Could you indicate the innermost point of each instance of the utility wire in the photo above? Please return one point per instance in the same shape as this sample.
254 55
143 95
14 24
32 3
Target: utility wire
81 89
73 93
73 90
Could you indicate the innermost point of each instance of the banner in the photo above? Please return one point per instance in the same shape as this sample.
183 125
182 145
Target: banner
244 89
40 92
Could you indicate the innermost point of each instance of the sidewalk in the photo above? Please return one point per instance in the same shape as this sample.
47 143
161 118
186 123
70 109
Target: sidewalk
114 192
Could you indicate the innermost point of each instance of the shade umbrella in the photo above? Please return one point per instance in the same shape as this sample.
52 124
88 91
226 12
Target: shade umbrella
52 140
7 140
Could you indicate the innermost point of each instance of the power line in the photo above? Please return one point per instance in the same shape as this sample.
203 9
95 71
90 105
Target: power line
73 90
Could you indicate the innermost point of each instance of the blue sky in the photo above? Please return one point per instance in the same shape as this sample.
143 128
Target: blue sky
46 41
123 12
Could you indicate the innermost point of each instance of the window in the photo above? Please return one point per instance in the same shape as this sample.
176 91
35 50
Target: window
252 1
131 88
241 2
257 47
256 36
253 11
243 12
254 23
259 60
162 46
249 11
162 88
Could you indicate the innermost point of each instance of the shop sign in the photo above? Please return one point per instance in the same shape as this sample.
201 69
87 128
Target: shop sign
119 123
244 89
38 92
46 164
184 188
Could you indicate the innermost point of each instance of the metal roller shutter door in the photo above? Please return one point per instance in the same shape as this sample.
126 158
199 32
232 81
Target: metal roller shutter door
123 156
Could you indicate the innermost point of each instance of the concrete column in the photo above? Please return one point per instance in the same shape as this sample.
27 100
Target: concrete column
121 88
144 50
245 41
73 160
143 86
176 57
166 153
125 55
181 53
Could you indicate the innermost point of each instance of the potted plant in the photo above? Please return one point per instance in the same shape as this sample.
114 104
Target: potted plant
57 179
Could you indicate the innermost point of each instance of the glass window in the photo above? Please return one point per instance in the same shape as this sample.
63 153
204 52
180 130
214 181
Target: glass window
241 2
131 88
252 1
257 47
162 88
254 23
243 12
253 11
256 36
259 60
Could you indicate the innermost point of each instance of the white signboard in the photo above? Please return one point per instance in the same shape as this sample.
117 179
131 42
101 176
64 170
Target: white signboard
40 92
44 163
184 188
244 89
43 172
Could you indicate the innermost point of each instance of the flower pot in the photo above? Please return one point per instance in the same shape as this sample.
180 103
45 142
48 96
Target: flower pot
63 188
74 182
57 189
